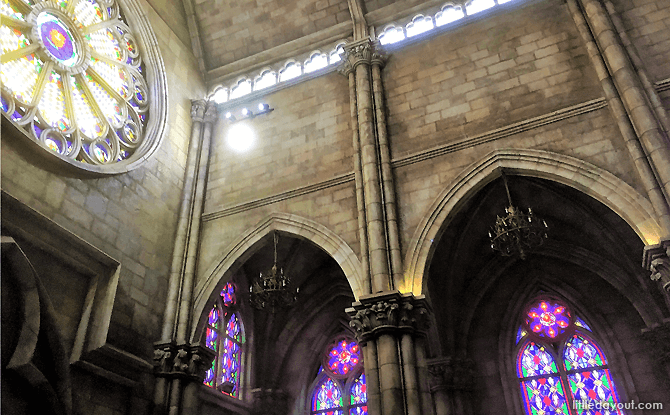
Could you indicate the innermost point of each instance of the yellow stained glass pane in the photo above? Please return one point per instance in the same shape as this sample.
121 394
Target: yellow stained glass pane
108 105
12 39
52 105
88 12
114 76
104 43
9 10
89 124
20 76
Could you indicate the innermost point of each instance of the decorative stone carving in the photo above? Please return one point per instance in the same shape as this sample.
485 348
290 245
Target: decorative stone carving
198 110
211 113
451 373
366 51
656 258
388 312
182 361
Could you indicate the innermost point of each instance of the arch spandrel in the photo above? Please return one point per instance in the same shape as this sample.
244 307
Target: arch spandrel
635 209
244 246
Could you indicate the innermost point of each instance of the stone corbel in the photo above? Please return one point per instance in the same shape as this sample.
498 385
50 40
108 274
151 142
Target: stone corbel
198 110
388 312
183 361
656 258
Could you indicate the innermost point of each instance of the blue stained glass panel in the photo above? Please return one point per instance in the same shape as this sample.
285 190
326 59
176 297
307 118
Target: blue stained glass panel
228 294
210 339
213 319
580 353
534 360
358 391
230 365
581 323
520 334
343 357
594 387
544 396
327 396
359 410
548 319
233 327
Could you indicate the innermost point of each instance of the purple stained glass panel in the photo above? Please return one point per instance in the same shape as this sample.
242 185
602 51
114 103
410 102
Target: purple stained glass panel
520 334
230 366
534 360
209 376
210 339
327 396
233 328
544 396
359 410
343 357
358 391
594 386
580 353
214 318
548 319
228 294
581 323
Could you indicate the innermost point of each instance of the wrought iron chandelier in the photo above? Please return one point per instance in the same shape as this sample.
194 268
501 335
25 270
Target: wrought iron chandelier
272 289
517 232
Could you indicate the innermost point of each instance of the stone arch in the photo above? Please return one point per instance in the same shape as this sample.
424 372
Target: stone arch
241 249
600 184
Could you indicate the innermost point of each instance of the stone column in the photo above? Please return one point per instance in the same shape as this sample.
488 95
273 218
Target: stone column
451 383
646 166
393 321
658 338
358 60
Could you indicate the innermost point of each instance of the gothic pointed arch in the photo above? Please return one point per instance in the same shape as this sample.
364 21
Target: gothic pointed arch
601 185
245 245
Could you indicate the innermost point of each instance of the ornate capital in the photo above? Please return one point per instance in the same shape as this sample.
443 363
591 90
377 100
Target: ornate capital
451 373
365 51
211 112
198 110
658 337
388 312
185 361
656 258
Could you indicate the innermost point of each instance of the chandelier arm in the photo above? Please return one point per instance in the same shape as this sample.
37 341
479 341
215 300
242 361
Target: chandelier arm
509 197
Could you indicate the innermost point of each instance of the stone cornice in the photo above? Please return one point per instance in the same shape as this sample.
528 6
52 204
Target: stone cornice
389 312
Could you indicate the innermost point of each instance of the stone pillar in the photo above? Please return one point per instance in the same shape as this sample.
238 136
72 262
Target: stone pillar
656 258
658 338
392 321
451 383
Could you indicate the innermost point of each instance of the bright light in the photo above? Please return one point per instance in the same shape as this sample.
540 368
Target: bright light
245 112
262 107
241 137
229 115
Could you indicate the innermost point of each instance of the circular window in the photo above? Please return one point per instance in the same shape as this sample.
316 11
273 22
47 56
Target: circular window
548 318
74 81
342 357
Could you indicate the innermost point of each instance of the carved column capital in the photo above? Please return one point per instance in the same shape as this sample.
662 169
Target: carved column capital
451 373
183 361
365 51
198 110
656 258
392 312
211 112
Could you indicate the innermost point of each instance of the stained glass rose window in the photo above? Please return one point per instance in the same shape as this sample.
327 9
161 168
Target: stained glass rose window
74 81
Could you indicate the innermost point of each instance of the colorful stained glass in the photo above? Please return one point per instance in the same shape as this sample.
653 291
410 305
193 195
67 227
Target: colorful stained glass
359 410
52 106
5 104
8 9
89 124
327 396
88 12
581 323
114 76
233 327
107 104
213 318
343 357
534 360
544 396
228 294
12 39
358 391
520 334
597 387
548 319
230 365
209 375
210 338
20 77
58 40
104 43
580 353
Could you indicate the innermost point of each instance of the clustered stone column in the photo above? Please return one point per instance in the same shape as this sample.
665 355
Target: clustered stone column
636 106
179 366
658 338
387 328
451 379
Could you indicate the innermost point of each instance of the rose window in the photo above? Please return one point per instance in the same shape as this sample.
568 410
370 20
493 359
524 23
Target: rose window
548 319
73 79
343 356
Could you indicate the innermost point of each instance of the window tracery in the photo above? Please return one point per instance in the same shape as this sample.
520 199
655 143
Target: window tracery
73 79
559 365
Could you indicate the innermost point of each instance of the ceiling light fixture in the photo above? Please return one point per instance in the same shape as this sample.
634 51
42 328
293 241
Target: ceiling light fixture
517 232
273 289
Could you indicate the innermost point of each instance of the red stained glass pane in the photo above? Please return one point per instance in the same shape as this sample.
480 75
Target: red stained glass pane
327 396
534 360
233 328
548 319
210 340
580 353
228 294
343 357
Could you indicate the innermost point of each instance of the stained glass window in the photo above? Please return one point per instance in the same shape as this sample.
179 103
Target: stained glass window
73 78
224 335
340 387
562 377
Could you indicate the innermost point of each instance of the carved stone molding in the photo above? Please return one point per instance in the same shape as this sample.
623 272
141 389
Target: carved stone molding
198 110
451 373
387 312
182 361
656 258
365 51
